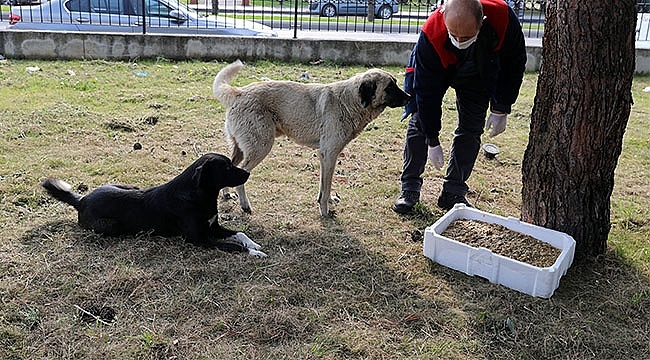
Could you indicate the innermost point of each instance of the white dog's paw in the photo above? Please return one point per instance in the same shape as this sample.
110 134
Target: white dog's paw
246 241
256 253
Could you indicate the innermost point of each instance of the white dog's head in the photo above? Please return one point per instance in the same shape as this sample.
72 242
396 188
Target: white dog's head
379 89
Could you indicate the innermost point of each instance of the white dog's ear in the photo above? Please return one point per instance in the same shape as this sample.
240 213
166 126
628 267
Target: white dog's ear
367 92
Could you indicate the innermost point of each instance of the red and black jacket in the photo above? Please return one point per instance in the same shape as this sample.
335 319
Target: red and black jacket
500 54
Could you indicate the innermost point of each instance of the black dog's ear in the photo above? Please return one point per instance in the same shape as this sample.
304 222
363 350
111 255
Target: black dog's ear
196 177
367 92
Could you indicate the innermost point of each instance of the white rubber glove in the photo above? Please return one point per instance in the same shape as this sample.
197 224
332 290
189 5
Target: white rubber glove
497 122
435 156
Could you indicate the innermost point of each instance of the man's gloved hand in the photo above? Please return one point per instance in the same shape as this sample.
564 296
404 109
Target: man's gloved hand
497 122
435 156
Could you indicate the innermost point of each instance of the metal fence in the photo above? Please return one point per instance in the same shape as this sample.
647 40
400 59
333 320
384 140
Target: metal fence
313 15
388 16
376 16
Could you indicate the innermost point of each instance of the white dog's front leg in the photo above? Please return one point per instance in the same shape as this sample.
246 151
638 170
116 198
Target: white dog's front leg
243 199
327 163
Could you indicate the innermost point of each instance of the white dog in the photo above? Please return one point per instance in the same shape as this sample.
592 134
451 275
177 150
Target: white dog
321 116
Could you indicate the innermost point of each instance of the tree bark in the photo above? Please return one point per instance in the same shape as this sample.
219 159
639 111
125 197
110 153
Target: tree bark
579 116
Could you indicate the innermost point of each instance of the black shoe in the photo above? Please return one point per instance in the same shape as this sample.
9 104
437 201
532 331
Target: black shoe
447 200
406 201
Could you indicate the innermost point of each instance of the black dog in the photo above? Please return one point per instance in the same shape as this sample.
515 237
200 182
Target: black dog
187 206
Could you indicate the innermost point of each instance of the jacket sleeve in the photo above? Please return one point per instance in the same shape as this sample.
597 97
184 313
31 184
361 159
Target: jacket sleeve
512 64
411 107
429 88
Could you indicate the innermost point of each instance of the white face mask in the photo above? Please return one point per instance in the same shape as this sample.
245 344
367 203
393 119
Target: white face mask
462 45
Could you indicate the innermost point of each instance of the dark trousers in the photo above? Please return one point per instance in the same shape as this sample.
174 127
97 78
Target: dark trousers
471 103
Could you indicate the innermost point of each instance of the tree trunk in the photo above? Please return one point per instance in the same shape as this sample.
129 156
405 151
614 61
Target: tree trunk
581 109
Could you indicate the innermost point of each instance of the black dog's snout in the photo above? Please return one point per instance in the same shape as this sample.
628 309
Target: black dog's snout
239 176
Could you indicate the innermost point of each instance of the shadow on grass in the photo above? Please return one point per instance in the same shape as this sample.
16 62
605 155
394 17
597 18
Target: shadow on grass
599 311
319 294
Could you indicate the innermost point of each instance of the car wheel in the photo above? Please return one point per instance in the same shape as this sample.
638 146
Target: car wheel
328 11
385 12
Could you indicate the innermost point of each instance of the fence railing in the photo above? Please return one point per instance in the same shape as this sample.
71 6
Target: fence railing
376 16
388 16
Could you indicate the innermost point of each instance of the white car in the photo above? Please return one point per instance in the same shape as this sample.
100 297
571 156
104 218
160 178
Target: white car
161 16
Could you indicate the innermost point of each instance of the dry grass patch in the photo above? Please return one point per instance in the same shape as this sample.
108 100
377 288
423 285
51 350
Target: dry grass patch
353 287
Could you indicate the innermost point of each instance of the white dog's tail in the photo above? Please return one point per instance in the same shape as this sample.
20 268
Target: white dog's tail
221 87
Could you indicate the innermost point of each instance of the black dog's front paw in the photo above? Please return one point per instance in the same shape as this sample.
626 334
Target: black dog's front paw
222 244
252 247
229 196
256 253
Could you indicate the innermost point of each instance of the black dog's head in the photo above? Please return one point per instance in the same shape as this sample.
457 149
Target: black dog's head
214 172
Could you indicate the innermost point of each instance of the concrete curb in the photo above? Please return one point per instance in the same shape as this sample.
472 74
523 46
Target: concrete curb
343 48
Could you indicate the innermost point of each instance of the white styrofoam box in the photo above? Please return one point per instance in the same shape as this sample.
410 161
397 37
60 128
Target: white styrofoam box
499 269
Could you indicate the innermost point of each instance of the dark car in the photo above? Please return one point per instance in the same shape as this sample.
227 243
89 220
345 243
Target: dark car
518 6
384 9
643 6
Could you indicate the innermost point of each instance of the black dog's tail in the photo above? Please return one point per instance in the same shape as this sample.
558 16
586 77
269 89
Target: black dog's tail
62 191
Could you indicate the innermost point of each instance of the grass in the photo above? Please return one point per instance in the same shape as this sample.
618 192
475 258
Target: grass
353 287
